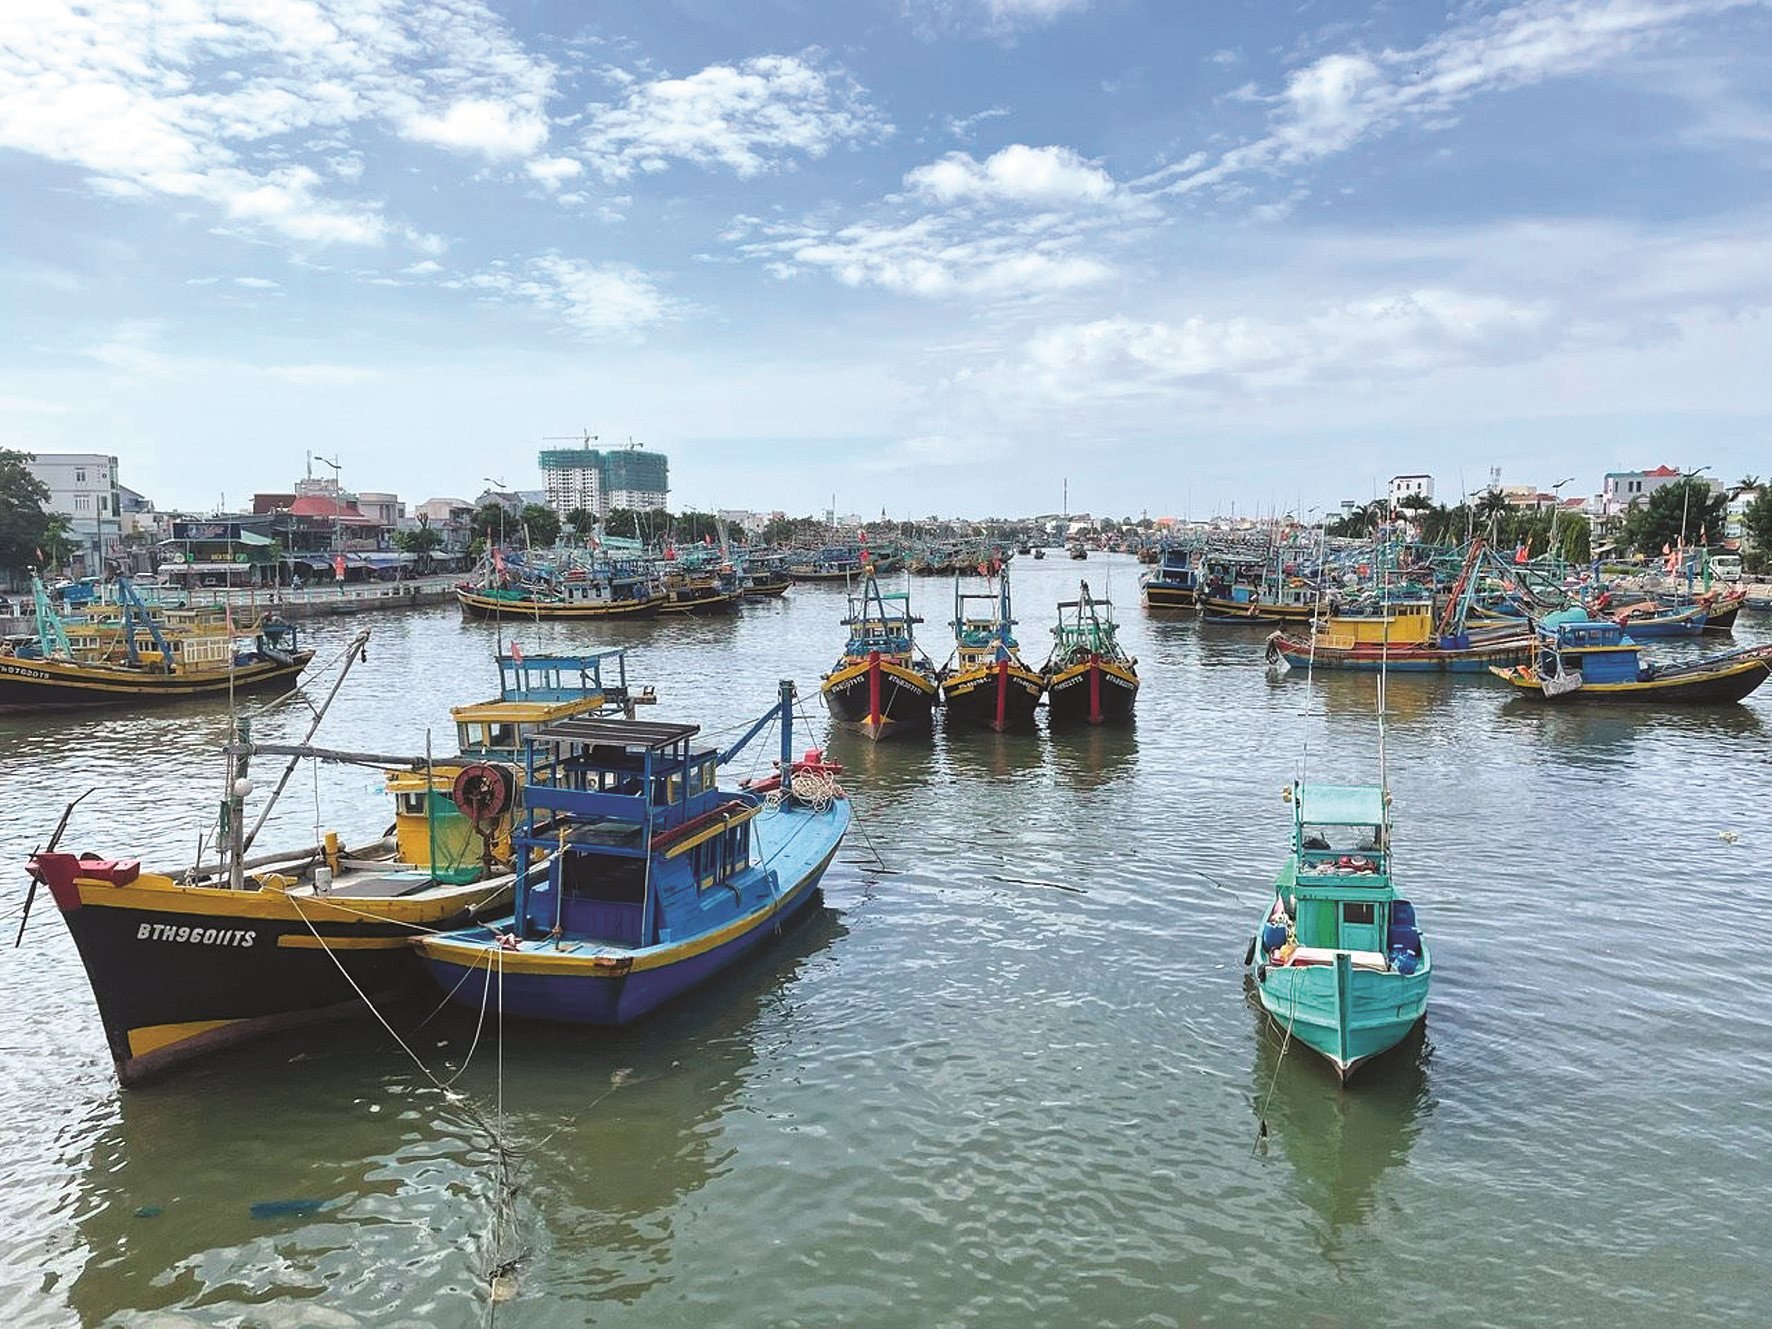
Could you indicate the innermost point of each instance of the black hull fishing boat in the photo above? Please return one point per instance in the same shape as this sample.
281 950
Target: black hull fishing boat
188 961
1089 677
986 683
142 660
882 684
1583 660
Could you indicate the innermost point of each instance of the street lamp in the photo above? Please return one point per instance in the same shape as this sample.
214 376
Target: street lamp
499 488
1686 502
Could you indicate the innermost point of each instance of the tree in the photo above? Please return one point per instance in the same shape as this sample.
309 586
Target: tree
491 522
1415 502
543 524
1689 505
23 522
56 540
423 542
1492 504
1756 526
581 521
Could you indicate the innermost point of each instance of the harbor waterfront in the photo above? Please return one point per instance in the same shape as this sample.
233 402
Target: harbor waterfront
1010 1073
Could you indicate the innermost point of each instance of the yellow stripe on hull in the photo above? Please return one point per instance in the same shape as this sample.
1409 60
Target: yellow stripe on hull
473 954
153 1037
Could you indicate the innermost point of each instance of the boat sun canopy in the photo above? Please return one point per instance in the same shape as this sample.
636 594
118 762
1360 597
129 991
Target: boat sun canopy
1341 805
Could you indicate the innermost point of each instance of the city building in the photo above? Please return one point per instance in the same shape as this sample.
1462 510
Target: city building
602 481
1411 486
83 488
1623 490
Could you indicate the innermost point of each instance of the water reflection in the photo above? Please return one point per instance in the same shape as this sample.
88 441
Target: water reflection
1339 1141
1094 756
313 1163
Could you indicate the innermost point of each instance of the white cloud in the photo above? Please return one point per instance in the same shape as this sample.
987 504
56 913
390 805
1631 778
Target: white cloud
935 257
1045 176
751 117
196 100
258 283
999 18
599 301
1346 97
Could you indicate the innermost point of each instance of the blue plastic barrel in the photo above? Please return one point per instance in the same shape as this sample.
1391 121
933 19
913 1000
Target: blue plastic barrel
1273 936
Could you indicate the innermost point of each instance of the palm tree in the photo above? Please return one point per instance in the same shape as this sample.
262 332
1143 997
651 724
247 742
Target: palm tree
1745 484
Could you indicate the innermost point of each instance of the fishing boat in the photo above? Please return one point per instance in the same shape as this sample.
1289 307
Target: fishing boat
1077 549
985 681
1175 581
141 657
882 684
1339 961
765 575
1401 635
1578 659
700 587
657 878
1089 676
1648 619
840 562
1243 588
188 960
579 588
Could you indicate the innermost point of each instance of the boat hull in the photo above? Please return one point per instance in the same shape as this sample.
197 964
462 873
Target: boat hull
1729 683
1216 610
881 698
474 605
1345 1014
32 685
701 603
1158 596
1405 659
179 971
1094 692
999 696
544 983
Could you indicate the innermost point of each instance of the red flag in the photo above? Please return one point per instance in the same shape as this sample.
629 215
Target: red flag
498 561
338 566
516 653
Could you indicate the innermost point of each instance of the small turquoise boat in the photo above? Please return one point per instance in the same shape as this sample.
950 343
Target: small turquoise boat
1339 961
658 879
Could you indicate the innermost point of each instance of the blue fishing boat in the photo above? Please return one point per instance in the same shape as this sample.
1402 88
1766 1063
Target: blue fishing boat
658 878
1340 964
1579 659
1175 582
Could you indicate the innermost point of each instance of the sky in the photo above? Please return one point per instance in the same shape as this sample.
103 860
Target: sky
907 256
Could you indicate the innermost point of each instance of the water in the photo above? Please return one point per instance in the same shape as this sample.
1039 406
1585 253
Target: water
1010 1077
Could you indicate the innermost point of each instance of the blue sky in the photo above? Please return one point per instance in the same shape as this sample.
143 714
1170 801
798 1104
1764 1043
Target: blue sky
924 255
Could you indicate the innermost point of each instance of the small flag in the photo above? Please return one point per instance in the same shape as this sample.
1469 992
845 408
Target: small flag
516 653
498 559
338 566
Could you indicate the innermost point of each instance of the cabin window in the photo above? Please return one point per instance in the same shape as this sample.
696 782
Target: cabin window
1347 839
410 805
1357 913
610 879
503 736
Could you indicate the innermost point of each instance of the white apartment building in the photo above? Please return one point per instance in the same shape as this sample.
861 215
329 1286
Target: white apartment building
1407 486
83 488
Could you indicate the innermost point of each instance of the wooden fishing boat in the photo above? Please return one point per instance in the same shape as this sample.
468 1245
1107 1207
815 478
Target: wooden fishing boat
1243 589
1648 619
1339 962
139 657
661 879
701 591
1175 581
600 589
832 563
1077 549
766 576
1401 635
1089 676
1580 660
189 960
985 681
882 684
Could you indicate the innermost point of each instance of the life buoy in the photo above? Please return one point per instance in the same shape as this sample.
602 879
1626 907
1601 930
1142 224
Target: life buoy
482 791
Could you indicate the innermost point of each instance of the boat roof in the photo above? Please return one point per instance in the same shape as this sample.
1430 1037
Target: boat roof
500 711
651 734
1341 805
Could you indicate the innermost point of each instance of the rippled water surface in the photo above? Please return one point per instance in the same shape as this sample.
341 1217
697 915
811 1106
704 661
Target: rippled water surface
1008 1076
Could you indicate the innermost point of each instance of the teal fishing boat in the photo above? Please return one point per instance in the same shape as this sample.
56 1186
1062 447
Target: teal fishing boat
1340 964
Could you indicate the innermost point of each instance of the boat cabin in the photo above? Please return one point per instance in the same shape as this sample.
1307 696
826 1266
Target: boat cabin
1577 651
1337 888
1387 623
646 846
1176 569
879 621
